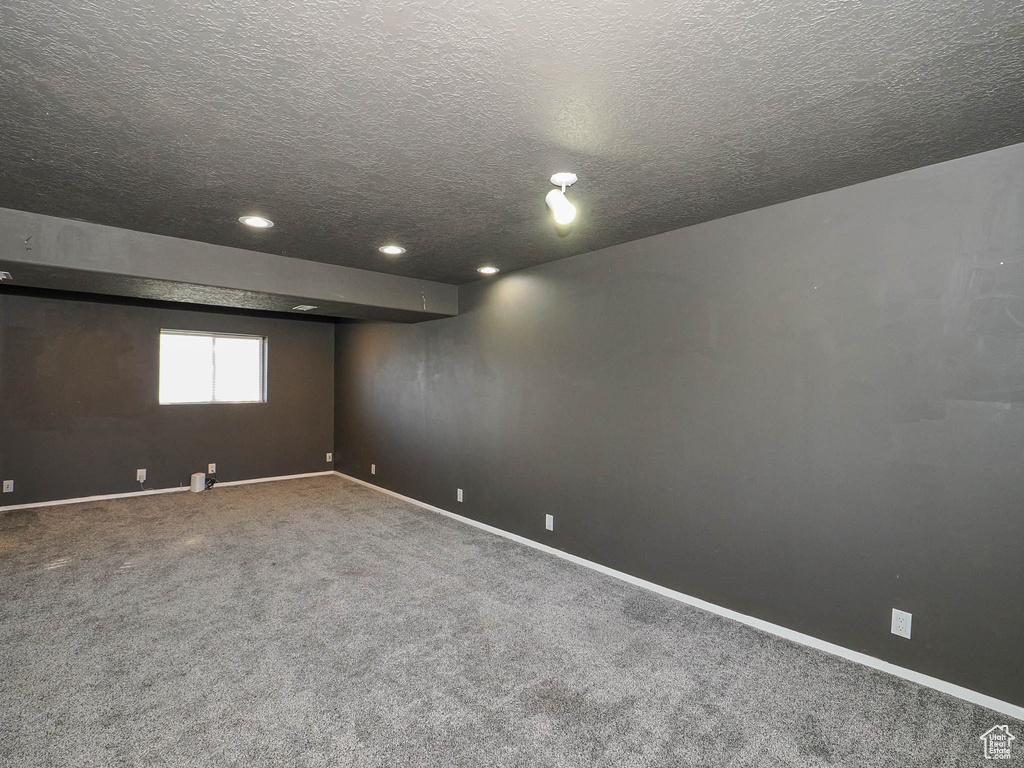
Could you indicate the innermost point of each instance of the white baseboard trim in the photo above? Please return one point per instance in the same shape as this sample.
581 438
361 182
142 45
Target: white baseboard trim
981 699
81 499
153 492
278 477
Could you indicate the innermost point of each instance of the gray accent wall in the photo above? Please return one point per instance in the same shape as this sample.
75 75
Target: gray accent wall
811 413
78 400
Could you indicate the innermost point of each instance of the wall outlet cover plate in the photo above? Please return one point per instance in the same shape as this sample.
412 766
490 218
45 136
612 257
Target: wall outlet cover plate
901 621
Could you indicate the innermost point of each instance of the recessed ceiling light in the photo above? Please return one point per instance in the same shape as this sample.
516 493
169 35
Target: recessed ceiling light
392 250
259 222
488 270
304 307
5 276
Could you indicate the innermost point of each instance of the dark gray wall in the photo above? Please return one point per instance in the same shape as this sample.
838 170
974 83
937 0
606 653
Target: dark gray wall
811 413
78 400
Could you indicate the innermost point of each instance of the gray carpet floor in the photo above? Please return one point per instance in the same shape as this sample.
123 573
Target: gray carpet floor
316 622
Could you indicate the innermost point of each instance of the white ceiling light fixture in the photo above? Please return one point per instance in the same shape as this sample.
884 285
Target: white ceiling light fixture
304 307
563 211
392 250
488 270
5 276
258 222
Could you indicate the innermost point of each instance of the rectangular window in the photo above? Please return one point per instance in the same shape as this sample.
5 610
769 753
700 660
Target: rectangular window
212 368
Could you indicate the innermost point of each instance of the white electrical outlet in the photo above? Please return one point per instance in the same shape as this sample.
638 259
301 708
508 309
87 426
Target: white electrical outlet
330 457
458 494
901 623
140 475
211 469
8 486
549 522
373 469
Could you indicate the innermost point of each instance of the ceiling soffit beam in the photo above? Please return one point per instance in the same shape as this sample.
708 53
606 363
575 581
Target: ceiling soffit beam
62 254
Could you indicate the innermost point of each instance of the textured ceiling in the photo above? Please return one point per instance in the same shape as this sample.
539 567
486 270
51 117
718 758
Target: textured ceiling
436 124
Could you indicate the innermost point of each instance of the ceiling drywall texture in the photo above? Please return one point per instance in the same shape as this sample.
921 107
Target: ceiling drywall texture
437 124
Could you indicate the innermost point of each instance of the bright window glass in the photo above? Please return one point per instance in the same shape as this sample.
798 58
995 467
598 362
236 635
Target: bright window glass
210 368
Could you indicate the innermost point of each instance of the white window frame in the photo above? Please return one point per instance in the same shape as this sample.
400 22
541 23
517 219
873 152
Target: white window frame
216 335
